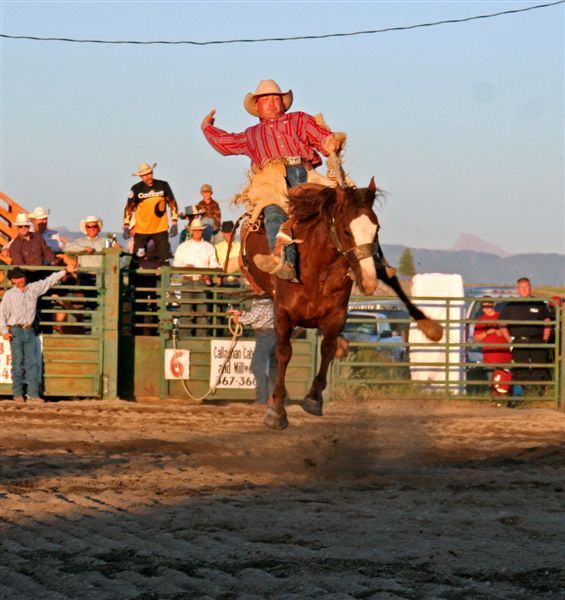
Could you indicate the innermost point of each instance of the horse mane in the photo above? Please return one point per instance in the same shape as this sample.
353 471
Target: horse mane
312 201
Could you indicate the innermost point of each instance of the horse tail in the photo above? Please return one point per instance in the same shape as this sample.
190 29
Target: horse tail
429 327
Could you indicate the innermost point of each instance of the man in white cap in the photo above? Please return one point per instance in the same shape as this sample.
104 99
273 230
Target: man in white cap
284 150
211 212
148 200
52 238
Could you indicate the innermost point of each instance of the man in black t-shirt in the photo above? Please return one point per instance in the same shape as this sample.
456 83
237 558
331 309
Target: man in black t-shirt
521 334
148 201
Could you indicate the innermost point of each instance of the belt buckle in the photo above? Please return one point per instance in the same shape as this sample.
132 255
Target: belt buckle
294 161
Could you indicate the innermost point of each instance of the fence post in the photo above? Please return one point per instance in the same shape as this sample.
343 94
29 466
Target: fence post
165 327
111 314
559 344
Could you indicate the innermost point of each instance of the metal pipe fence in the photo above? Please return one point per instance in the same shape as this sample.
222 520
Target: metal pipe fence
115 324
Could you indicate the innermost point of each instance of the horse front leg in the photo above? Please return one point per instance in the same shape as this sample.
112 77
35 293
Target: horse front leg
314 400
276 417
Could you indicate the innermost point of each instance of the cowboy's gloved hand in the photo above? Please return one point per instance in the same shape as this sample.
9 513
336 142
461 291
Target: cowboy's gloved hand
174 230
126 233
208 119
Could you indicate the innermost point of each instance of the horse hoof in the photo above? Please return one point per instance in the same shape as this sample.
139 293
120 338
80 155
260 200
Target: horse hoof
274 420
312 406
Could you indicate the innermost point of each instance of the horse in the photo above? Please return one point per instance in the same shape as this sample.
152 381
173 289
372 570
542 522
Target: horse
338 233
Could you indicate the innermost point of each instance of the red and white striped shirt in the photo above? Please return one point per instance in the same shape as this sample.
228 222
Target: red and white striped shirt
294 134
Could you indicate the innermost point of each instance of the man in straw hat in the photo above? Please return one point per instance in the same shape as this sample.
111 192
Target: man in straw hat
91 243
39 217
149 199
18 311
284 151
196 253
29 248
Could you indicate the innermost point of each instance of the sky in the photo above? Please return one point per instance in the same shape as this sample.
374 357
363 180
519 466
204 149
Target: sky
462 124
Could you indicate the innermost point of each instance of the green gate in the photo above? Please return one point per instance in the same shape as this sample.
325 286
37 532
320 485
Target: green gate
75 324
175 309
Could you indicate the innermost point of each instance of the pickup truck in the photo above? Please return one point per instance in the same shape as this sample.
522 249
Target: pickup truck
373 327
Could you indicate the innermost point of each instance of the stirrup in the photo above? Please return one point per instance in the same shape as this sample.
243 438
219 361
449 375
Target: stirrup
285 239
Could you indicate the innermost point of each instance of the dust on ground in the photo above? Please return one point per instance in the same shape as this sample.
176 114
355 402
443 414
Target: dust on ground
380 499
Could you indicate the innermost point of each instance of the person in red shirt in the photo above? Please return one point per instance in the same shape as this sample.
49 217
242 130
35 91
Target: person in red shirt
284 149
490 333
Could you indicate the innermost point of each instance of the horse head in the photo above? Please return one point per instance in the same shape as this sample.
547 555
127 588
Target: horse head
356 229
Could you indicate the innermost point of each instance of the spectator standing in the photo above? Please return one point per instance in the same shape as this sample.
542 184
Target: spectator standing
39 218
18 312
29 248
196 253
148 201
491 333
222 253
261 318
520 335
190 213
91 245
211 212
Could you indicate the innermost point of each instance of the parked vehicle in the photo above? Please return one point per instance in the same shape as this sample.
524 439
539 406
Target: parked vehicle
374 328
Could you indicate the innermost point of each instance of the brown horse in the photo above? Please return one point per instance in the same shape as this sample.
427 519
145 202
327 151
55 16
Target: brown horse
339 229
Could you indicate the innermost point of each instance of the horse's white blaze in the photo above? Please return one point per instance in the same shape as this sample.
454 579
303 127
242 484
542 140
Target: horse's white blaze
364 232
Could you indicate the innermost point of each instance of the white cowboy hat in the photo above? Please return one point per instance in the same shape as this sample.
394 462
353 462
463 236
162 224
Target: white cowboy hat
39 213
21 219
267 87
90 219
196 224
144 169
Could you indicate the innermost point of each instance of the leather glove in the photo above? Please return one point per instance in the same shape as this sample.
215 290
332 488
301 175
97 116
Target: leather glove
173 231
126 233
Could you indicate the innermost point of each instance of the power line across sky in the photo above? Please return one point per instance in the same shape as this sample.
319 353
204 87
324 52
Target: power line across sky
291 38
462 124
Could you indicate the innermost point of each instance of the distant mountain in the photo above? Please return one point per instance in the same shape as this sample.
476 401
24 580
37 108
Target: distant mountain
482 267
473 266
468 241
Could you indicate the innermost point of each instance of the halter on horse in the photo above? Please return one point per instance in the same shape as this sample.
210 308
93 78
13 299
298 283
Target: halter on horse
339 230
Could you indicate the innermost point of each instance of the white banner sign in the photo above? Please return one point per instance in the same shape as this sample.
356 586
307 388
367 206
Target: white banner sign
5 361
237 372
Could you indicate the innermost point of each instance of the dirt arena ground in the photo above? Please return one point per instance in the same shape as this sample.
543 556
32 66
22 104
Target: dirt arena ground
381 499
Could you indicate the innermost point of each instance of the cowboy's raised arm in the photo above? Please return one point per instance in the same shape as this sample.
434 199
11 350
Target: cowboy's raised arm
225 143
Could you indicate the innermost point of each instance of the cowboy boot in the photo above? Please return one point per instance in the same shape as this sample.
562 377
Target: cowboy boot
270 263
275 266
